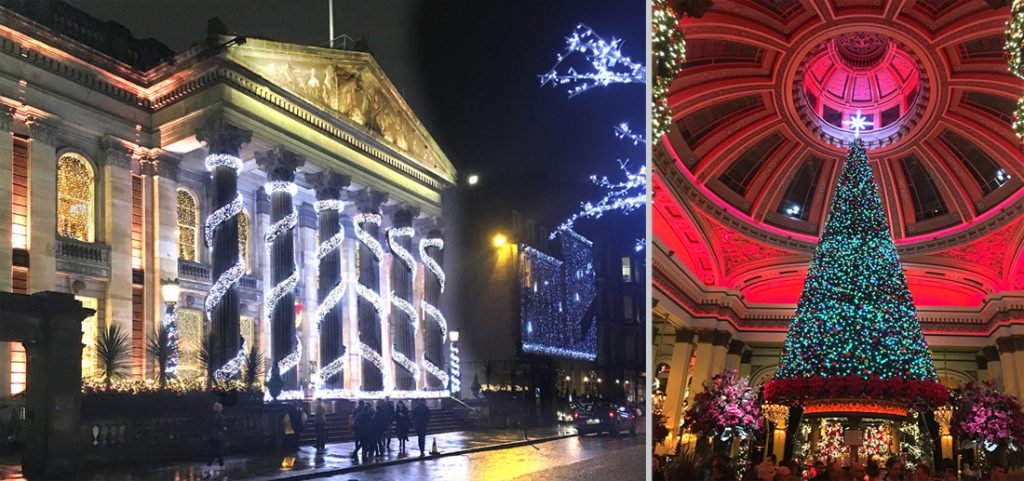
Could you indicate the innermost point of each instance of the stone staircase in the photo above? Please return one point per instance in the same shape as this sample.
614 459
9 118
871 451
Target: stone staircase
338 431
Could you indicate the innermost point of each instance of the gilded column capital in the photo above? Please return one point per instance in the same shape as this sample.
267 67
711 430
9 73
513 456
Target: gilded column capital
43 131
6 118
328 184
279 163
221 137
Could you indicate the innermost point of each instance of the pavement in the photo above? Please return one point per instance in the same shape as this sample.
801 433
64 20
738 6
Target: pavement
335 461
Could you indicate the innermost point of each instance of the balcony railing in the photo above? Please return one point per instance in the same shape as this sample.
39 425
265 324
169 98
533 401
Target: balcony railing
90 258
194 271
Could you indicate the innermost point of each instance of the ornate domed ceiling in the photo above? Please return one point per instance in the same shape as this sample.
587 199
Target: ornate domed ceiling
760 105
743 179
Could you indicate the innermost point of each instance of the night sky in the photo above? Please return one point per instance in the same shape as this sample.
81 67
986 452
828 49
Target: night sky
470 72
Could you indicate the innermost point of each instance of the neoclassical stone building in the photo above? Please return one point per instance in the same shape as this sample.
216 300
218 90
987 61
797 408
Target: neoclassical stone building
290 189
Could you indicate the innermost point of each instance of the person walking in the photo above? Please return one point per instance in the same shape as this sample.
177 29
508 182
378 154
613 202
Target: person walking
366 439
321 425
420 417
389 416
215 440
401 426
357 430
379 423
297 418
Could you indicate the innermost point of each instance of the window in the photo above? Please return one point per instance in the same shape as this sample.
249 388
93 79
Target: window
627 271
19 371
743 171
188 226
74 198
796 204
986 173
137 205
89 327
243 239
247 327
190 341
924 193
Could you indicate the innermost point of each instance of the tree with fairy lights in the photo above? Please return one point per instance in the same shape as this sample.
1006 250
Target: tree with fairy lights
856 334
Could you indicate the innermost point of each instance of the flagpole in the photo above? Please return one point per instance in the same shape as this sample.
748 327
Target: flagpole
330 16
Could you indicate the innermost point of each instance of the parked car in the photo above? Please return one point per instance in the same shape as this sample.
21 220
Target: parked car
604 416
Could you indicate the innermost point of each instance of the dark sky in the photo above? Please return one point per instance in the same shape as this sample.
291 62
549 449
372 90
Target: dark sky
469 71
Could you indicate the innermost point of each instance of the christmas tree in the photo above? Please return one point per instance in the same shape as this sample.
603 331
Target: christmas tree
856 333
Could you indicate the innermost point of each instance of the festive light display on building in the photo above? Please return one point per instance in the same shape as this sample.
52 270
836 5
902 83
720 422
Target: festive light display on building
623 131
453 363
605 57
170 323
277 293
433 313
555 296
231 369
366 292
669 55
75 182
231 276
856 332
325 247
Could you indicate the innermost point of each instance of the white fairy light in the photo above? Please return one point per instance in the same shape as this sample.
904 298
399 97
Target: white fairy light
625 196
605 57
623 131
409 310
284 186
329 204
396 248
858 123
222 284
328 245
278 292
279 228
429 262
291 360
223 160
434 314
453 362
220 216
434 370
329 302
371 355
332 368
232 368
557 351
370 296
368 240
406 363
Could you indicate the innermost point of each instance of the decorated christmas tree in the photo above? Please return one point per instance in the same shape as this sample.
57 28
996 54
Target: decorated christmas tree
856 334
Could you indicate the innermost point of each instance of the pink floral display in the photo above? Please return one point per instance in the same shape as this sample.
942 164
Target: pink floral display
727 407
988 416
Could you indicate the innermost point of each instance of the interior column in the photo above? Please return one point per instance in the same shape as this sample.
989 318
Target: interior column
675 387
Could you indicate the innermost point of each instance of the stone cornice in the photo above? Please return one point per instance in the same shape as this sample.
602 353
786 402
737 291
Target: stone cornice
114 153
42 131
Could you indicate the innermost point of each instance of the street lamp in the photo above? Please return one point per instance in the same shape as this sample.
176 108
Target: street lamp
454 374
499 240
473 179
170 290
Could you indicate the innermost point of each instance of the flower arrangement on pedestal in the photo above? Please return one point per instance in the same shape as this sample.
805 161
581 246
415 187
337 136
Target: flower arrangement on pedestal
727 409
876 442
831 444
988 417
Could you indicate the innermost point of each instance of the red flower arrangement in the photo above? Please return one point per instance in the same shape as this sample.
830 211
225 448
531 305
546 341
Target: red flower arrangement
920 394
988 416
727 407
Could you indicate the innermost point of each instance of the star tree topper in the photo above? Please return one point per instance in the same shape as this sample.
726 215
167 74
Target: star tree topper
858 123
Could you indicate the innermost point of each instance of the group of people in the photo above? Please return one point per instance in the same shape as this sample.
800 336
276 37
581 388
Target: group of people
372 425
892 470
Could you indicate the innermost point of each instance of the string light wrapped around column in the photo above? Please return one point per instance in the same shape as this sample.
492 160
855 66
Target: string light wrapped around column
366 292
330 302
405 318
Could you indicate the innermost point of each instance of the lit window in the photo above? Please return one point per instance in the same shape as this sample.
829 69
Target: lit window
188 226
18 368
190 341
243 239
89 327
247 326
627 270
74 198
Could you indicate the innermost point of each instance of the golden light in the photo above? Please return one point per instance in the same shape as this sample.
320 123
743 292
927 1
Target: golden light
170 290
453 335
473 179
499 240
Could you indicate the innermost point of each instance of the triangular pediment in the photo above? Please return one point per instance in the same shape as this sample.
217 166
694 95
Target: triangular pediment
348 85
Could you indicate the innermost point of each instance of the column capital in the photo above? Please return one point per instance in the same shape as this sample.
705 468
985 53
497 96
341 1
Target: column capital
722 338
991 353
368 200
44 131
427 227
221 137
736 347
168 167
1006 344
279 163
262 201
1018 342
401 215
115 153
706 336
684 335
6 118
328 184
746 356
307 216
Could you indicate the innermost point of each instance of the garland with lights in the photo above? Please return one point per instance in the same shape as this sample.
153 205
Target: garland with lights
453 363
232 367
330 301
366 292
284 226
605 57
431 311
170 322
669 55
404 305
1015 38
625 196
856 333
1018 119
831 445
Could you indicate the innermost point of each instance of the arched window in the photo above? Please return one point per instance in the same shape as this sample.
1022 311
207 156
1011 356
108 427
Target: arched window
243 239
75 181
188 226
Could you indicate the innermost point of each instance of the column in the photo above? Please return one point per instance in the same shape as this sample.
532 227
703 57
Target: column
734 354
744 369
279 300
6 182
1008 362
1018 357
306 292
42 206
329 187
370 306
263 221
702 361
993 368
117 233
404 314
435 326
720 347
675 388
224 141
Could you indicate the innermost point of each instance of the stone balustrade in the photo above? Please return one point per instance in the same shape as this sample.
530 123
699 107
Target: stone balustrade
194 271
89 258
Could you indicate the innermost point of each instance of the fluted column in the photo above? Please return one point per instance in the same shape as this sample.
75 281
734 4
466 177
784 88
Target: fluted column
718 352
286 350
6 215
435 326
224 141
993 368
117 233
404 314
331 286
675 388
42 206
734 354
1008 363
370 306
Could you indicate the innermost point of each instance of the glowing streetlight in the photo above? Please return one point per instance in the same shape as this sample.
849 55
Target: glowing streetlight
473 179
499 240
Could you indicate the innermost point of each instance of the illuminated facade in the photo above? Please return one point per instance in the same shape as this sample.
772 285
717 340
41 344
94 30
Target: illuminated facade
743 179
244 168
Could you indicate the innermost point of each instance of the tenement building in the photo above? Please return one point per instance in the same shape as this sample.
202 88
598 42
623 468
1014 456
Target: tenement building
289 190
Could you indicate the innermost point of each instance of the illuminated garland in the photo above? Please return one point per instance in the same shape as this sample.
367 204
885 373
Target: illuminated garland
220 216
232 368
623 131
1015 38
334 296
332 368
429 262
434 314
398 250
233 274
453 362
223 283
1018 119
407 308
402 304
369 354
170 324
223 160
290 361
406 363
609 65
669 54
625 196
434 370
368 240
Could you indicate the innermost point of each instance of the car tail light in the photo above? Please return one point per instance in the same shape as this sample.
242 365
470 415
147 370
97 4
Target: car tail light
575 414
611 414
